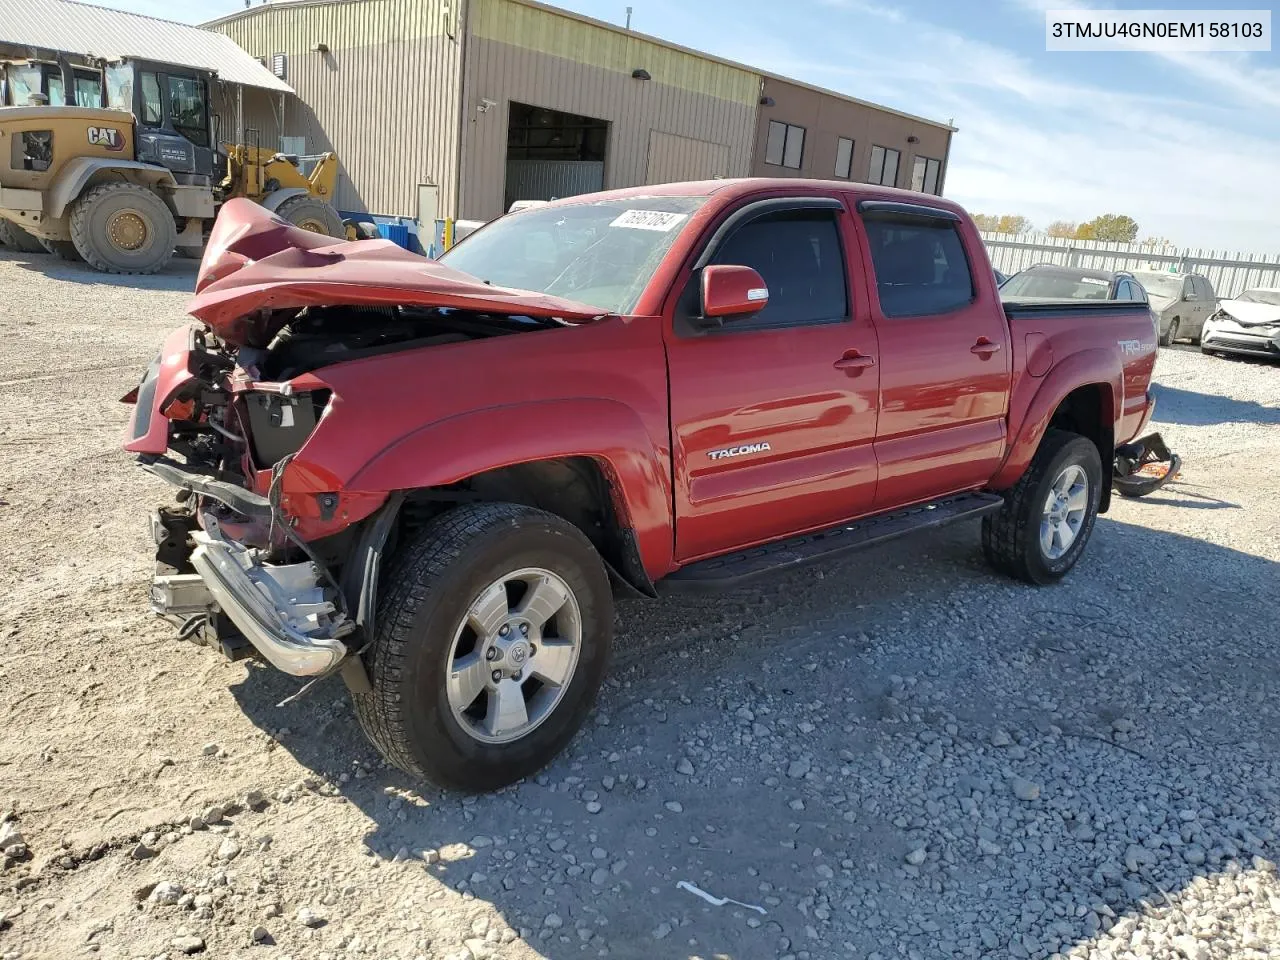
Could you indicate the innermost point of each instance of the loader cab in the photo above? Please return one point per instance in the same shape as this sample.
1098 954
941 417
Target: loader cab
20 80
170 104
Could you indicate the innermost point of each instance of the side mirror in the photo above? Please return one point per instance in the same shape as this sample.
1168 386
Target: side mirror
730 291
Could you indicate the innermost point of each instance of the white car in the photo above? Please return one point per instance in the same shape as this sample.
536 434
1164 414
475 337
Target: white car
1249 324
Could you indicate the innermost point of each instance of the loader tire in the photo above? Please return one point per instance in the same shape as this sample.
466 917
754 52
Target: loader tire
121 227
1045 523
314 215
491 639
63 250
17 239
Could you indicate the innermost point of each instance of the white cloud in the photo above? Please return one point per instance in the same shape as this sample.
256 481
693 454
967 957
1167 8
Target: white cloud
1056 149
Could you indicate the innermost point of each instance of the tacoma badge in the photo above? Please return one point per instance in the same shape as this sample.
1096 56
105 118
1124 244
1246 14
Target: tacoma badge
741 451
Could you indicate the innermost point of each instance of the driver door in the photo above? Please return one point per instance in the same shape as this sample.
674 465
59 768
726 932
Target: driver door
773 417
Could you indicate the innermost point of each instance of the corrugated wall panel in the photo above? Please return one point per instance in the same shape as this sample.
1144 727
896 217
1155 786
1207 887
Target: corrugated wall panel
673 158
547 32
384 97
502 72
551 179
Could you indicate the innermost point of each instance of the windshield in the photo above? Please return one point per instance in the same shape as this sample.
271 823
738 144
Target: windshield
88 91
1161 284
1261 296
1031 284
120 86
600 253
23 81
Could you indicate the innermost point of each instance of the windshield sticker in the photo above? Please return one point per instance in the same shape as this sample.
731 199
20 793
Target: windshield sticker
649 220
1095 281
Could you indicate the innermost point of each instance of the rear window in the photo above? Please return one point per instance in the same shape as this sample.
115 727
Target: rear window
1034 285
921 268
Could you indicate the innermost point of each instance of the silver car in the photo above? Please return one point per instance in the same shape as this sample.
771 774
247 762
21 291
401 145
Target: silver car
1182 301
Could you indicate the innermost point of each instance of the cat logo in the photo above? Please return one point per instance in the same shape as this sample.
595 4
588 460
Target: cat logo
108 137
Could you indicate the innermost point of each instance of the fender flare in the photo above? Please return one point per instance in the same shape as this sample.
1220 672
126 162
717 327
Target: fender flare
1094 366
606 431
275 198
77 173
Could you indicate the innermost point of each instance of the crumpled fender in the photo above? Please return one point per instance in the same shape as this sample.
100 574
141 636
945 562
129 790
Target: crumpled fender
1095 365
605 430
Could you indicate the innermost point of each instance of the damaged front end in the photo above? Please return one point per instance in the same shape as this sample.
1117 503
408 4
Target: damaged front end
269 550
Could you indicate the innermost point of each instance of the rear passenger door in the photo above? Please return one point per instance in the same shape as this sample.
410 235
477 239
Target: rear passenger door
944 354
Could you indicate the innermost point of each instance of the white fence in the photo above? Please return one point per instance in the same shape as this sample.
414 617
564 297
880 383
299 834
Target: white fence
1230 273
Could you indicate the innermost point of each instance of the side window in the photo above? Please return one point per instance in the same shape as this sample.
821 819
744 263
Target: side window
921 268
1206 289
844 157
798 254
1189 290
152 112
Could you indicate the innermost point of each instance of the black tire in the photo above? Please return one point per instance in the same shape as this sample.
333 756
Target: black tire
314 215
428 589
17 239
1011 536
63 250
1170 334
92 223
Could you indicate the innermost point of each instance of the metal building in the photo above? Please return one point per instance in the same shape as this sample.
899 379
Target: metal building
455 108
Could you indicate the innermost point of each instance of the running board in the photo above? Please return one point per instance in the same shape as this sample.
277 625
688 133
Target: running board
734 569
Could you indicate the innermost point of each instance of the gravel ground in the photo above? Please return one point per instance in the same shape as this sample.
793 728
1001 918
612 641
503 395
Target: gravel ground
902 756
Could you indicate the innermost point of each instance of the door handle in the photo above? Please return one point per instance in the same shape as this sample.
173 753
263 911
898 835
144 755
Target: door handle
984 347
853 360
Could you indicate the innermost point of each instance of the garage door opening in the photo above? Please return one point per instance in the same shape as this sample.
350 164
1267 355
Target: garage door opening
552 154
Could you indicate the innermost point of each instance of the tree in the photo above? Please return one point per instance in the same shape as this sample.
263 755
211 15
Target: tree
1086 231
1013 223
1003 223
1061 228
1110 226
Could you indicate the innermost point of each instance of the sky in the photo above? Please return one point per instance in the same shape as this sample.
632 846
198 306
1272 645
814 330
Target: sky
1188 144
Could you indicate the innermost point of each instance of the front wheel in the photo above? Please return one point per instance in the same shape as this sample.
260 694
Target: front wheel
1041 531
1170 334
123 227
491 641
312 214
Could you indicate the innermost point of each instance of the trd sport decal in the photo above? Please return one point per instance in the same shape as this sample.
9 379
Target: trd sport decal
108 137
741 451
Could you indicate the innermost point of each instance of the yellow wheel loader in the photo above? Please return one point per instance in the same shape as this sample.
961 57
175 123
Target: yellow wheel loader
124 184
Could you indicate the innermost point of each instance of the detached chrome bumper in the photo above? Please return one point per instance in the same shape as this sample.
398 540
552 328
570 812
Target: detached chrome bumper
281 609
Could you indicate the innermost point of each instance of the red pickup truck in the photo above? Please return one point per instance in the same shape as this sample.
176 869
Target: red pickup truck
434 477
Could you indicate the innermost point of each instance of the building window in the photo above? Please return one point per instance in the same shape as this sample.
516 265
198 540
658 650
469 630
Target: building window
884 166
844 157
785 147
280 65
924 175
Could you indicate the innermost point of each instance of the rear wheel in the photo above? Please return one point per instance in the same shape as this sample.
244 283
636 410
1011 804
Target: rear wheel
1041 531
1170 334
314 215
122 227
491 641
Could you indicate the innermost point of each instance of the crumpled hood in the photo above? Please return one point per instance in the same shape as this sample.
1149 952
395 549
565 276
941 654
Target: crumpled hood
255 260
1250 314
